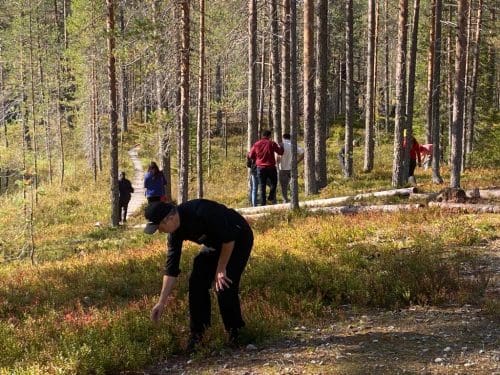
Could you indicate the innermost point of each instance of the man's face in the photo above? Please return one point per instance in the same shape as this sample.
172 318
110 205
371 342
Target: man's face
169 224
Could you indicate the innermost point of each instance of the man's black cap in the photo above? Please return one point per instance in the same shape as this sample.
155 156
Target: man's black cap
155 213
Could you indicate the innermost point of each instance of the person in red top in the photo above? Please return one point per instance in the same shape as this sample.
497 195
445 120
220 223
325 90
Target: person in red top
262 153
414 156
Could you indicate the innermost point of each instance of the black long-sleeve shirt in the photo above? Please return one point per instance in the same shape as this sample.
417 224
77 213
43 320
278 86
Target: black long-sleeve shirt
204 222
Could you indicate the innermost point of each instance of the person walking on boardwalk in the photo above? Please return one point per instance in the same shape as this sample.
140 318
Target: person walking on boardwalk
125 190
227 241
154 183
262 153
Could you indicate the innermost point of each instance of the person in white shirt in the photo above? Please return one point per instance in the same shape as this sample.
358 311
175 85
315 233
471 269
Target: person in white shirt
285 165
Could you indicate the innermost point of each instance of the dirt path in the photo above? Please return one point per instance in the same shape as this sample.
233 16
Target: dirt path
138 197
416 340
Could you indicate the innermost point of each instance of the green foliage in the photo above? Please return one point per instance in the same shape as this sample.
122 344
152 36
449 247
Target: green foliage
486 153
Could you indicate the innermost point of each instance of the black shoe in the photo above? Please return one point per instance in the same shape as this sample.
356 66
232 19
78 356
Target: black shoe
233 340
194 340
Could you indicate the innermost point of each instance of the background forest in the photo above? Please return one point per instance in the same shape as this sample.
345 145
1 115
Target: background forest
191 84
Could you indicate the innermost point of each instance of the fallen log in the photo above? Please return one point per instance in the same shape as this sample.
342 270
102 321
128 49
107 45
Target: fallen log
327 202
423 196
465 207
483 193
347 210
374 208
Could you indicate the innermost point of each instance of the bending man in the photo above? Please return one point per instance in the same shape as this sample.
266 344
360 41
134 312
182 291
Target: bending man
227 240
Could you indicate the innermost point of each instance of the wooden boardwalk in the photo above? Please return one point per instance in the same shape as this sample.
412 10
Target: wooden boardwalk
138 198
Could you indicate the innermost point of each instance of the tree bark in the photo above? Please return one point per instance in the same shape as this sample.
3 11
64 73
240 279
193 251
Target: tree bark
465 207
386 68
474 76
316 203
458 95
412 63
320 120
262 89
33 104
349 90
370 82
184 108
285 67
252 134
201 91
275 65
123 74
113 115
308 86
430 67
400 121
436 95
294 105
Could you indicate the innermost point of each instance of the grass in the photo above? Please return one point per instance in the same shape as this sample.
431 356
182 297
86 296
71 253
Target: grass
90 314
84 307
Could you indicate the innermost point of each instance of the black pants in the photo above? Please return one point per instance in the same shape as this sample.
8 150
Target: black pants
123 209
263 175
413 164
202 278
154 199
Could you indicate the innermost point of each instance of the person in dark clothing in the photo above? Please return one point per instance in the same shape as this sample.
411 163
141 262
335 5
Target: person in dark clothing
125 190
227 240
154 183
262 153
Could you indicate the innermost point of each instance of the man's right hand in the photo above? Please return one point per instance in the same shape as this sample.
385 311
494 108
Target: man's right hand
157 311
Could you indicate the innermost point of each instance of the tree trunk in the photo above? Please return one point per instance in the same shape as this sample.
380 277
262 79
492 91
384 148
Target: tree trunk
93 122
285 67
113 115
218 98
164 125
33 106
201 91
458 95
450 82
123 74
3 121
262 95
252 74
349 90
412 63
370 82
467 85
308 83
185 46
294 105
400 120
430 67
386 68
474 76
320 120
275 65
436 95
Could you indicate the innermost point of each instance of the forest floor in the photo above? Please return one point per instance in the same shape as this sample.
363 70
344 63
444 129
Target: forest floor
416 340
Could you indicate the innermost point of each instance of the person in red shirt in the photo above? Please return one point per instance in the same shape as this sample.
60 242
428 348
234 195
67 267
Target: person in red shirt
414 156
262 153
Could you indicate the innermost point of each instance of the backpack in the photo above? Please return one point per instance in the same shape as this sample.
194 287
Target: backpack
250 162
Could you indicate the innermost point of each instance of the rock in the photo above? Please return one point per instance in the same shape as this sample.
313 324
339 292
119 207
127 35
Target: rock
287 355
251 347
439 360
447 349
